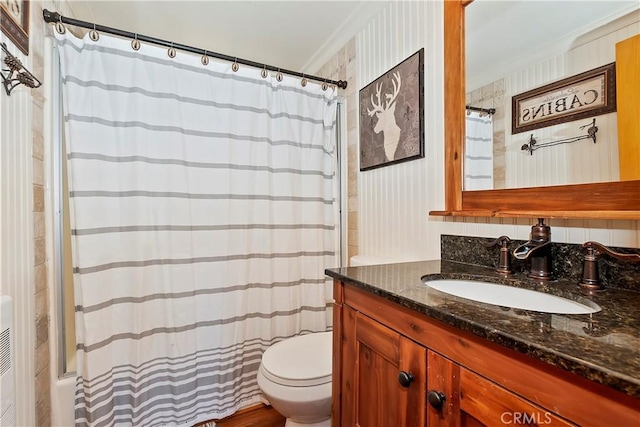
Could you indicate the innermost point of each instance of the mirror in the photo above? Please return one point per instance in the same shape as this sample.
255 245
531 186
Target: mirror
547 41
612 200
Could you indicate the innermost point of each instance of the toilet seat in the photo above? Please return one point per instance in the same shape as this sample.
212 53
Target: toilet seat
301 361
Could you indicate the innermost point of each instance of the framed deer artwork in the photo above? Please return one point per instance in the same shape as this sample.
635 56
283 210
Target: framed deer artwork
392 115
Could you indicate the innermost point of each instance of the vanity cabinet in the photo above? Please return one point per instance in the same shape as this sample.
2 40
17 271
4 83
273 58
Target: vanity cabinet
388 376
460 397
394 366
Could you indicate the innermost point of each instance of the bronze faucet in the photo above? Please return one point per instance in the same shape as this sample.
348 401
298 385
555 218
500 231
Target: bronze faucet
538 251
590 275
504 263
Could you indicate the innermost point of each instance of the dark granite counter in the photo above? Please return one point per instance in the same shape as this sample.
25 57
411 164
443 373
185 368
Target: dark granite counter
603 347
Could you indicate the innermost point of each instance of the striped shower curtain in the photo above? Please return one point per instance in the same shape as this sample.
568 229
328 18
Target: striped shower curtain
478 152
202 212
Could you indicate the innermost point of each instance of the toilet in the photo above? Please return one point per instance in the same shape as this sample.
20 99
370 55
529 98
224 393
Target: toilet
363 260
295 376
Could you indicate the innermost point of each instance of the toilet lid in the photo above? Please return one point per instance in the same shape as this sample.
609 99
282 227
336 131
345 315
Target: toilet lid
300 361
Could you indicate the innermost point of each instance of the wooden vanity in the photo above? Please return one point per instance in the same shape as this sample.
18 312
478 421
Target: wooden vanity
395 365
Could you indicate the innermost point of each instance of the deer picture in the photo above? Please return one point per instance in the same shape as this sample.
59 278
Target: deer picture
386 116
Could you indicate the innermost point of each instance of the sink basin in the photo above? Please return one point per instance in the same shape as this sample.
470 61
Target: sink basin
509 296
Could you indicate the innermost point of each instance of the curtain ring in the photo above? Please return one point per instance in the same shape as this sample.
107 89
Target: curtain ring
171 51
279 76
235 67
93 34
204 59
264 73
135 43
60 28
303 82
325 86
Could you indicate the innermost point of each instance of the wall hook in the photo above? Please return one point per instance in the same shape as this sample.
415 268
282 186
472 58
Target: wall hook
15 74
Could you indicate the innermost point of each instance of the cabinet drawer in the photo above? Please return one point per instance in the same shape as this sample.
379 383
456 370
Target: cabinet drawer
493 405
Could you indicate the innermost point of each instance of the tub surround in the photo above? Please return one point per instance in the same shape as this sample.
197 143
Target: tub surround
603 347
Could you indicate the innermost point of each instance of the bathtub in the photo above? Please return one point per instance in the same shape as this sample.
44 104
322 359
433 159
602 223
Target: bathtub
62 392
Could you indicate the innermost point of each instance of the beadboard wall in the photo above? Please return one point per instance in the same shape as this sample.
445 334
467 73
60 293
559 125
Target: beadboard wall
581 161
16 234
394 201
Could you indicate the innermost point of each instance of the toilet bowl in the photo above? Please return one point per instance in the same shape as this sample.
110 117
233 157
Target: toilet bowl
295 376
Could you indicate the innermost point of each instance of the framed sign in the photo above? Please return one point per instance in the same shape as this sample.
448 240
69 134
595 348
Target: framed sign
584 95
15 22
392 115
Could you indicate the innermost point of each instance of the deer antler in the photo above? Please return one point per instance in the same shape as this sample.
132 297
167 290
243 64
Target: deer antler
391 98
377 107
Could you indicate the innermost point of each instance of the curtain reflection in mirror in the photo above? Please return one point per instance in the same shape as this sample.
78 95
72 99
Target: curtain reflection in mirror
478 158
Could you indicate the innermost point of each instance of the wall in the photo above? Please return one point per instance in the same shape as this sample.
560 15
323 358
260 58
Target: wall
394 201
17 273
24 262
581 161
342 67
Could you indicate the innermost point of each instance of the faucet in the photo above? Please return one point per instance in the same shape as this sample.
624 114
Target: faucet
504 264
538 251
590 275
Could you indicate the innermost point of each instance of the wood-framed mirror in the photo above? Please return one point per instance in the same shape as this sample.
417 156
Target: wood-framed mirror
607 200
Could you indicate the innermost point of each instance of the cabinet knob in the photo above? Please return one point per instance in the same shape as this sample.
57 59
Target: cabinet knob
436 398
405 378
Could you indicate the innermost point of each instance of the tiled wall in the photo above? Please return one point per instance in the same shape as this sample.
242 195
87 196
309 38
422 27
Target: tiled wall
42 357
343 67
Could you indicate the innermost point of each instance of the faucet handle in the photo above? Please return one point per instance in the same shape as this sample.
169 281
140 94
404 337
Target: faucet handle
590 275
598 249
504 264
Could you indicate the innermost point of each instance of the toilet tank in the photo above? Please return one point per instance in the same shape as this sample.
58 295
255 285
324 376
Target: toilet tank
361 260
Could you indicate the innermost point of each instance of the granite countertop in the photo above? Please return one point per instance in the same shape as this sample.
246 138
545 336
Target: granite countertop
603 347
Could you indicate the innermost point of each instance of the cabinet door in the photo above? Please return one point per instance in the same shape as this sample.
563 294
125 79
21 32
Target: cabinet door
385 375
470 400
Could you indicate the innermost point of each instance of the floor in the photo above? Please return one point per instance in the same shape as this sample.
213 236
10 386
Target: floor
257 416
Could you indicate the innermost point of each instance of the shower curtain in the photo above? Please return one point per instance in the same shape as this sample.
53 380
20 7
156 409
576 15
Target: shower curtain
202 222
478 152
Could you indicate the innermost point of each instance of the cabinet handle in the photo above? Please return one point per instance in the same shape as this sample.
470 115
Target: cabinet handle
405 378
436 399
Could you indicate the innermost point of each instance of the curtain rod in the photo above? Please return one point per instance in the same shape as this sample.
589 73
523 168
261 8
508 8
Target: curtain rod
54 17
481 110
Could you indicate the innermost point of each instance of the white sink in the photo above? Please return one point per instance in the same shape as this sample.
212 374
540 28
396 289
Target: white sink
509 296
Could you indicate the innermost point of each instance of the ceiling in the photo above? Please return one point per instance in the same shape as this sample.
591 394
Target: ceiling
302 35
296 35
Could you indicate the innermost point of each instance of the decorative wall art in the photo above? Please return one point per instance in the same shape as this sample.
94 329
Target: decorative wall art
15 22
584 95
392 115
